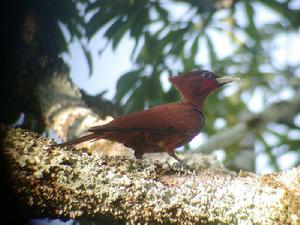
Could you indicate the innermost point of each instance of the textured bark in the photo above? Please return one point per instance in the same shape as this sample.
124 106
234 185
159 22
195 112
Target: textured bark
62 108
69 183
61 104
38 84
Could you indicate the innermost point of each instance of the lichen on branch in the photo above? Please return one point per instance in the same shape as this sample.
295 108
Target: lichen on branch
77 183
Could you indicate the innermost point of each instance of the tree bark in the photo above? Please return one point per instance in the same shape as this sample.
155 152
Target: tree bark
38 83
70 183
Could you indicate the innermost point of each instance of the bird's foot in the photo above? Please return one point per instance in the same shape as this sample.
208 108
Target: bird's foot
181 162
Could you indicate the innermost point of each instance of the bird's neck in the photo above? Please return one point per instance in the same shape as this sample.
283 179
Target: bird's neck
195 95
197 102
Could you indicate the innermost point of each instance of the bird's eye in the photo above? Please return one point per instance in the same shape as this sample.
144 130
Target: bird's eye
207 74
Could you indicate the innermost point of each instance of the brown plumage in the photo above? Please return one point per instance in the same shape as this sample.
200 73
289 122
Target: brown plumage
164 127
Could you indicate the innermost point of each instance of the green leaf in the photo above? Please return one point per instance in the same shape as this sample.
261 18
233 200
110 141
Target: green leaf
92 6
251 28
136 101
172 95
153 88
126 83
97 21
137 41
114 28
116 31
211 51
151 50
283 8
176 39
194 47
163 14
88 57
137 17
63 43
69 14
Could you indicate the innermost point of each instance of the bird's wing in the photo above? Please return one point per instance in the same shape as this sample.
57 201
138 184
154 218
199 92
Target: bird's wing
173 118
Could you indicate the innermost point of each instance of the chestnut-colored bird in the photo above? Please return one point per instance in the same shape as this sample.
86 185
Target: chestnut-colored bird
162 128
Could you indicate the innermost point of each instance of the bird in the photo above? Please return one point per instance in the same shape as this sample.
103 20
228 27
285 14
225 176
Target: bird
165 127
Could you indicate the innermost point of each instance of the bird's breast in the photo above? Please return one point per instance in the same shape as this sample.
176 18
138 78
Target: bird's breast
201 119
191 123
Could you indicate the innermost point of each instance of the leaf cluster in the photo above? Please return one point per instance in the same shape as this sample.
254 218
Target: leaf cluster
236 38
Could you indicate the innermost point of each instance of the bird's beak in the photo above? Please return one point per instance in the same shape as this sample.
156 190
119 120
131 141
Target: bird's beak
226 80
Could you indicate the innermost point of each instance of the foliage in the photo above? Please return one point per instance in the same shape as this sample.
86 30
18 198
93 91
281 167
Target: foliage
167 44
236 38
71 16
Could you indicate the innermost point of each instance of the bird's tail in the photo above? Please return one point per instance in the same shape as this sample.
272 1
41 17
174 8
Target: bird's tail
88 137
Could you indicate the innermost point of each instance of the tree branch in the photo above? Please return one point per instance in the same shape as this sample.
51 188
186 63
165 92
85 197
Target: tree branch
281 112
67 183
40 86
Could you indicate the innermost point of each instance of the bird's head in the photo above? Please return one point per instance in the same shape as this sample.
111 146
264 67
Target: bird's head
195 86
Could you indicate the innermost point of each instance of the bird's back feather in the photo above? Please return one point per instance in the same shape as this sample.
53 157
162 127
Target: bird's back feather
165 119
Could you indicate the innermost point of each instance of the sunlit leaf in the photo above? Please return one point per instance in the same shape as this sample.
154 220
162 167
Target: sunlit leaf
137 99
96 22
251 28
195 46
212 53
126 83
88 57
167 43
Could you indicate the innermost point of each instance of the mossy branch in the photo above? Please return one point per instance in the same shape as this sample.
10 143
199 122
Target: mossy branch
70 183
